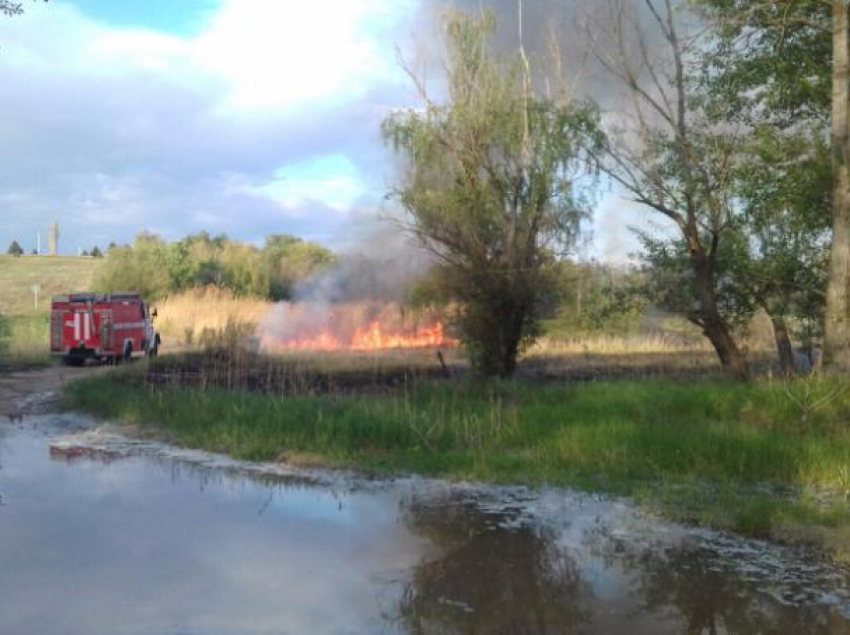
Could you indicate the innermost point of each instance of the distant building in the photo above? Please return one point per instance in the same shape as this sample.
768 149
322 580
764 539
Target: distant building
53 240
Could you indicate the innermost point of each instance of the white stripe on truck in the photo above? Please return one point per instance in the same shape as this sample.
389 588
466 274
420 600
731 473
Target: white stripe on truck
87 326
77 326
129 325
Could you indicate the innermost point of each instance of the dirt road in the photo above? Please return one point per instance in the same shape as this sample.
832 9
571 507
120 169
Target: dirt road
31 391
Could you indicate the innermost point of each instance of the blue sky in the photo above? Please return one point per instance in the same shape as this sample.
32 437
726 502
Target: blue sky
248 117
177 17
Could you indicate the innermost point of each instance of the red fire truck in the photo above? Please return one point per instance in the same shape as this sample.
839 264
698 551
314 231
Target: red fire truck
113 327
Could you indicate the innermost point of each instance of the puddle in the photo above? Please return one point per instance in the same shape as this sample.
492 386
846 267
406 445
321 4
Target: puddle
102 534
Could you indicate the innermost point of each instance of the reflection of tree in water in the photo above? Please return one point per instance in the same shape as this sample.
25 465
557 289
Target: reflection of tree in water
496 575
489 579
712 600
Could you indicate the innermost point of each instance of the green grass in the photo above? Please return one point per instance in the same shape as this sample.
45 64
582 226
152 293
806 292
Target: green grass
27 344
698 451
61 274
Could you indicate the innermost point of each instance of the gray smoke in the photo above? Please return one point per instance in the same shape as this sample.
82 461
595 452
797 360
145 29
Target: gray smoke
555 33
384 266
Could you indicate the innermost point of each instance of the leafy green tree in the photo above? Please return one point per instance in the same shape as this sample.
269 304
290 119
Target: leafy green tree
292 260
15 249
490 188
179 265
596 298
666 154
281 242
156 268
669 282
96 252
783 185
243 270
140 268
784 64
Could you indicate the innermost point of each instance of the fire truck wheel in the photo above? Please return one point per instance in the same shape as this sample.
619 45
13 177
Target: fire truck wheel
127 355
70 360
153 351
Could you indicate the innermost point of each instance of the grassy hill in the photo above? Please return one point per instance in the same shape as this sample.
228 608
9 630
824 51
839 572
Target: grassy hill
54 275
28 344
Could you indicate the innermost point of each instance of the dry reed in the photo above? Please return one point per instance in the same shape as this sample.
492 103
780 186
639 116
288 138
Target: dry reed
185 317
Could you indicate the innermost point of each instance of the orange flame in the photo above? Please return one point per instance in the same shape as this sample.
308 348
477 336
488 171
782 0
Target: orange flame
379 334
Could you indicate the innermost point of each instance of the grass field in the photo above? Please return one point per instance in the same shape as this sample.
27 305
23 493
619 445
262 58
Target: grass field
53 275
28 343
766 459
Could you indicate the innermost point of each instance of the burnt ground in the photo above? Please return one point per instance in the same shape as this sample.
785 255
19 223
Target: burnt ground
311 374
29 391
302 375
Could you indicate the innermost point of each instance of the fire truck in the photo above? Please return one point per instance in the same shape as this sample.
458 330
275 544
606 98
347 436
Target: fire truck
114 327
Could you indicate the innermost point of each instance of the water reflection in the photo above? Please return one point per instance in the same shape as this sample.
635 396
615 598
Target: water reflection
489 579
688 580
498 573
148 540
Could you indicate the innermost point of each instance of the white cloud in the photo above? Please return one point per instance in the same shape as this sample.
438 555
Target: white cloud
116 130
282 53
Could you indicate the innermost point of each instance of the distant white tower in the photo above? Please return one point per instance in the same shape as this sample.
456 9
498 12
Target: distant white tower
53 240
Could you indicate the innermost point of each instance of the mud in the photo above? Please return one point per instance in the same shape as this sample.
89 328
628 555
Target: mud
35 391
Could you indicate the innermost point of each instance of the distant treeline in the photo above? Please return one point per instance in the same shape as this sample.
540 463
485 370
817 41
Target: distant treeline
155 267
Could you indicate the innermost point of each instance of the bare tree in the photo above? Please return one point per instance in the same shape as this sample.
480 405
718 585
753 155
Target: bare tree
664 152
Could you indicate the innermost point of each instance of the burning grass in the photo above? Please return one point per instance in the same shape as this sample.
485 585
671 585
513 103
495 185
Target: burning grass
199 317
365 326
186 317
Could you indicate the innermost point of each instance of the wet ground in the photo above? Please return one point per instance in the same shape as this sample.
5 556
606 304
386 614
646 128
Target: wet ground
103 534
26 391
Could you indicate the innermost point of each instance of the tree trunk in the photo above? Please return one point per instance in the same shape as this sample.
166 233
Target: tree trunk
512 337
732 358
836 346
783 347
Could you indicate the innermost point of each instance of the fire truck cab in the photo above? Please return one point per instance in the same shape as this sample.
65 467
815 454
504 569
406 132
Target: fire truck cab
113 327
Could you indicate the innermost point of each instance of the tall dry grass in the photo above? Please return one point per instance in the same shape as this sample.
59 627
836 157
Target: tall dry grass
186 318
210 317
671 335
617 345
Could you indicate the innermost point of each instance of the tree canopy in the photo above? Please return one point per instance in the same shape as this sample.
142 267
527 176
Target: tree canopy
155 267
490 187
15 249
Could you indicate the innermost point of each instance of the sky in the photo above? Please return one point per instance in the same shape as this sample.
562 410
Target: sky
244 117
